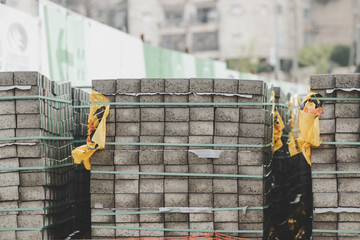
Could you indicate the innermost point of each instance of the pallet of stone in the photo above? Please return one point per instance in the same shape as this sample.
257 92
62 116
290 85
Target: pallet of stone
339 120
177 124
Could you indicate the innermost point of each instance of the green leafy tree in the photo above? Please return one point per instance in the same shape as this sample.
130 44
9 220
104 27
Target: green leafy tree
316 56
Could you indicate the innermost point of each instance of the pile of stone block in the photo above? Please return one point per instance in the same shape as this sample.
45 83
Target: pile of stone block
35 183
339 122
180 124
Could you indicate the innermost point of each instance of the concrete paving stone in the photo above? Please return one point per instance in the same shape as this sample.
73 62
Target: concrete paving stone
201 128
225 140
151 139
6 78
176 128
347 110
322 81
126 200
31 221
152 114
151 200
7 107
28 120
327 138
104 200
101 218
202 114
251 216
177 114
202 226
127 232
347 80
174 85
152 128
176 185
33 151
323 167
152 99
7 93
349 226
152 218
103 157
152 168
34 90
227 99
195 98
349 217
251 226
327 226
101 176
327 126
349 199
227 114
251 170
9 205
201 217
253 99
347 125
9 179
225 85
226 157
35 235
176 99
151 157
126 158
232 226
127 168
127 218
200 185
103 232
110 129
250 186
104 86
347 94
201 140
111 118
344 154
152 233
251 87
201 168
27 106
253 200
348 167
128 129
324 185
27 78
328 111
128 85
34 178
201 85
176 169
251 158
8 121
226 216
152 85
9 193
251 130
8 234
175 157
176 225
102 186
126 99
325 217
175 140
33 193
33 204
348 185
319 155
150 186
8 152
225 200
200 200
225 186
8 221
347 137
226 169
227 129
126 139
126 186
325 199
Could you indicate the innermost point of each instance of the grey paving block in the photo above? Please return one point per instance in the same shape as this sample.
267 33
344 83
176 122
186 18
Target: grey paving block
226 129
6 78
152 85
347 110
128 85
177 85
104 86
347 80
202 114
176 186
344 154
201 128
151 186
251 87
8 152
347 125
8 121
326 199
151 157
225 85
27 78
251 130
324 185
101 186
152 114
127 168
177 114
128 129
225 200
225 186
348 185
103 200
201 85
250 186
28 106
319 155
127 115
322 81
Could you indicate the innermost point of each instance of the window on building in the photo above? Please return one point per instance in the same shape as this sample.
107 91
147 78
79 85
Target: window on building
308 38
205 41
206 14
307 11
174 41
173 17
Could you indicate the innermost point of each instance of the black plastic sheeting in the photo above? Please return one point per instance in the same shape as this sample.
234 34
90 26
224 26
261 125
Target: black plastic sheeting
289 197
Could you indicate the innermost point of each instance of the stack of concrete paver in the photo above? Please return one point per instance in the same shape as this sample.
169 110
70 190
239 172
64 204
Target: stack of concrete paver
38 200
339 122
196 124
